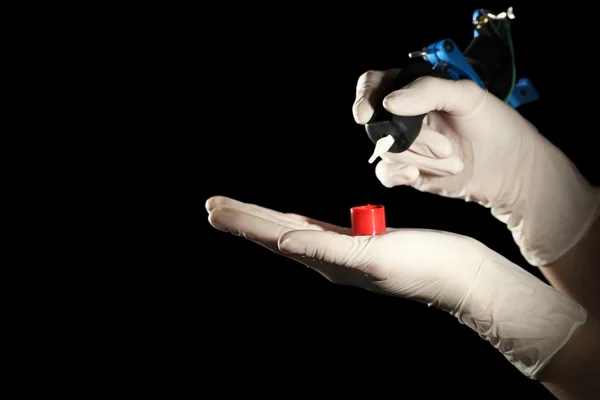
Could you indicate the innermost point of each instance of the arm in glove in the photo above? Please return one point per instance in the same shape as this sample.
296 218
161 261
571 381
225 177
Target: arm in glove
498 159
525 319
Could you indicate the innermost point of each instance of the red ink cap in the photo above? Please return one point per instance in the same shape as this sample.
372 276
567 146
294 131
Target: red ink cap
368 220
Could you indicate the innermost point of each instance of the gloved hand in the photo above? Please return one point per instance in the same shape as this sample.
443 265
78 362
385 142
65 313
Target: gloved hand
475 147
525 319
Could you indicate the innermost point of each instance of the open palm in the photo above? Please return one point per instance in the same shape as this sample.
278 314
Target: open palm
265 227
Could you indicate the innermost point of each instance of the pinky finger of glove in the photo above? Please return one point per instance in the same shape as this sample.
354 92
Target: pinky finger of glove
439 167
431 144
392 174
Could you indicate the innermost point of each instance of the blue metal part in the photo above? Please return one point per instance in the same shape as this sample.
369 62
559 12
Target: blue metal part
446 54
476 15
524 92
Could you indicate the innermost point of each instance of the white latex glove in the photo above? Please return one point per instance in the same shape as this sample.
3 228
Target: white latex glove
525 319
498 159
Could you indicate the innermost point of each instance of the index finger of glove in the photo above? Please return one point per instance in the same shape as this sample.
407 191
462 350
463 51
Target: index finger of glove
457 98
370 89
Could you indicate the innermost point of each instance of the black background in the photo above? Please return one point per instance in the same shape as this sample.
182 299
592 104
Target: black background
276 90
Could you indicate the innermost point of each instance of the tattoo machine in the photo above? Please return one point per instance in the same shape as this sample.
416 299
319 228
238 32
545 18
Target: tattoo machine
489 61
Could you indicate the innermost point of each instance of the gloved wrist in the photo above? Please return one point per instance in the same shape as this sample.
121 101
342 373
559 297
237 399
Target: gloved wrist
525 319
545 202
522 317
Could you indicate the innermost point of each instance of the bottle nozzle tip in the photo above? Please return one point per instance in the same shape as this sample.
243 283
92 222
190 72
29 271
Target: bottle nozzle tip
382 145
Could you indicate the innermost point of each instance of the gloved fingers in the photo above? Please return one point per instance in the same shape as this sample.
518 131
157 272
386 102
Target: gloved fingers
431 144
227 202
324 225
392 174
266 233
355 253
426 94
439 167
289 219
252 227
222 201
429 183
369 91
262 212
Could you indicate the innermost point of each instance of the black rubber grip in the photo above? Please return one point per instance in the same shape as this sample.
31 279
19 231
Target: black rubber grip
404 129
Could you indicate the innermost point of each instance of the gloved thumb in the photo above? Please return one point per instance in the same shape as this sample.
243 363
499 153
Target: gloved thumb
426 94
328 247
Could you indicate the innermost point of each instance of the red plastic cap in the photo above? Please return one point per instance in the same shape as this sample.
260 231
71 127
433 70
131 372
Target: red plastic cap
368 220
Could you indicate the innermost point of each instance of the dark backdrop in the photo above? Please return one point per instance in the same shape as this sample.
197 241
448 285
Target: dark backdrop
275 94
